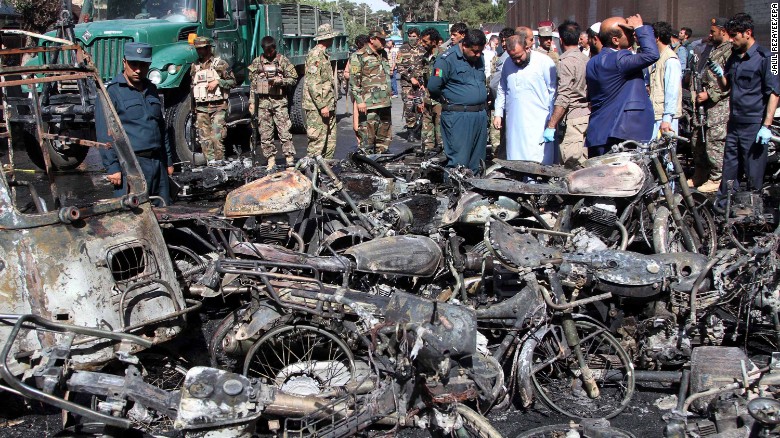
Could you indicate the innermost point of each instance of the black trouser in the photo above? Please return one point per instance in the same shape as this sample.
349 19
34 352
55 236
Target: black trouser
743 156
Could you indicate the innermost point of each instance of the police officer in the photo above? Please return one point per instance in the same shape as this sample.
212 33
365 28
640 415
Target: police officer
139 109
755 92
319 96
459 83
410 64
369 82
211 83
270 74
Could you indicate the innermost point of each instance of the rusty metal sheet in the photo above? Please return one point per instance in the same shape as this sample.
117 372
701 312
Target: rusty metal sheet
280 192
533 168
405 255
510 186
616 179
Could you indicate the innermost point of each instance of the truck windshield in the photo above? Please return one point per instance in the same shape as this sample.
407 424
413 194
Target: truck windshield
170 10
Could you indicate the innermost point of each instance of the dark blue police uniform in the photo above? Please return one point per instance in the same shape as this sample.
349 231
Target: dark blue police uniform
460 86
141 115
752 82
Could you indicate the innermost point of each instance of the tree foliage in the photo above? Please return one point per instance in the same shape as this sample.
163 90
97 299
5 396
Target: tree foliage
37 15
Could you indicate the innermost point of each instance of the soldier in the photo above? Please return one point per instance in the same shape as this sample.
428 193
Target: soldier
546 42
708 148
271 73
319 96
431 132
211 82
410 64
369 82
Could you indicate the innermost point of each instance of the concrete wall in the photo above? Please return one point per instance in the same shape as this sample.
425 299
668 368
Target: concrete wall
695 14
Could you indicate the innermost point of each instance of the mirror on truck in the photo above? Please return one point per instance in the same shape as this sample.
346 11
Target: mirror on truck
239 12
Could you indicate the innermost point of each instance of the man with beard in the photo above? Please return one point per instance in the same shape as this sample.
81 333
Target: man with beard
755 91
431 118
458 82
708 148
526 92
546 43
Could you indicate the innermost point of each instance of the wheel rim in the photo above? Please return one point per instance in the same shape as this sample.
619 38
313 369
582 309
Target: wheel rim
558 383
301 360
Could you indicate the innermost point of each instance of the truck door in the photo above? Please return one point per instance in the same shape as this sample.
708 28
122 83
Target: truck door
227 44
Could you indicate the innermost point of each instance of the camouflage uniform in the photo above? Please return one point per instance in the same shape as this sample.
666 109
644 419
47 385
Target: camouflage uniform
708 155
411 63
431 125
272 101
369 82
319 93
553 55
494 135
210 108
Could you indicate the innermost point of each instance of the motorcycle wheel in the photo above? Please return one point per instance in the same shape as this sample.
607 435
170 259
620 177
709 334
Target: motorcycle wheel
558 383
301 360
667 237
561 430
474 425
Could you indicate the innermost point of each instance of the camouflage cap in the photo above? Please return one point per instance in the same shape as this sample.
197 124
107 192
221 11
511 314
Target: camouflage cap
326 32
545 31
378 33
201 41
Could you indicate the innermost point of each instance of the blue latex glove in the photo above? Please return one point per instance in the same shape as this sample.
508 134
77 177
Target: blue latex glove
549 135
764 135
714 68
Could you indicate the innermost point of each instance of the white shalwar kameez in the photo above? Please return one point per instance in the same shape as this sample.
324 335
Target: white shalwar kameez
527 95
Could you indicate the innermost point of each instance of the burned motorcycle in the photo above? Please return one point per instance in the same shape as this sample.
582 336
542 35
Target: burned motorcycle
637 195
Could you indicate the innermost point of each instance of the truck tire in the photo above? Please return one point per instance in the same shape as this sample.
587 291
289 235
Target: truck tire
180 125
297 116
67 158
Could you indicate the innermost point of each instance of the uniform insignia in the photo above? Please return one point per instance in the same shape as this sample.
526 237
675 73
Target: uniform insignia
437 72
139 50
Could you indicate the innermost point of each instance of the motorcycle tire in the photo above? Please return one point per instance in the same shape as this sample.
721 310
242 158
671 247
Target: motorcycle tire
556 383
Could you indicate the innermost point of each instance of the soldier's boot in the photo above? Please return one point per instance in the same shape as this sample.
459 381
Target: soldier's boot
699 177
710 186
271 164
290 160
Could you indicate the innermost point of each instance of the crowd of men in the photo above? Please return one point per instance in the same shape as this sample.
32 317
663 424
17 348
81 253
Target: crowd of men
618 80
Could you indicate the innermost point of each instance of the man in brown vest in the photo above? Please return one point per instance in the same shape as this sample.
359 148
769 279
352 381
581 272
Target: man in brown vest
665 82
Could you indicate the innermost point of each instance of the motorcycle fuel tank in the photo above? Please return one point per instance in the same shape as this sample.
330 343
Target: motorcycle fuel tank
280 192
397 255
611 179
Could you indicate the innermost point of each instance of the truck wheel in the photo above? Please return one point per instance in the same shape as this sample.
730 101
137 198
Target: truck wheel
180 125
63 157
297 116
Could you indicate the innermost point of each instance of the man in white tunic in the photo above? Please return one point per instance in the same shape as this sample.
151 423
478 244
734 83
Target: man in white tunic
527 94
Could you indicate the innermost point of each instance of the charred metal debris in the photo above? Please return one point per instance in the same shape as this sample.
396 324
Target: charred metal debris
375 293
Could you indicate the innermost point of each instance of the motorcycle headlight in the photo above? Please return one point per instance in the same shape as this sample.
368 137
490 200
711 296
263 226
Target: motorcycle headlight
173 69
155 76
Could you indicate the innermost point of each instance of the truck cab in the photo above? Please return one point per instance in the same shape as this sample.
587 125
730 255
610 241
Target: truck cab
236 26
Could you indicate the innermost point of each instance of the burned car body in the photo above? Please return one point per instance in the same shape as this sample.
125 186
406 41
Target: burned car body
71 252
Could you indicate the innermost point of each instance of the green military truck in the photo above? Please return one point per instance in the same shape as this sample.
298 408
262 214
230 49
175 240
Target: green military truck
442 26
237 26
